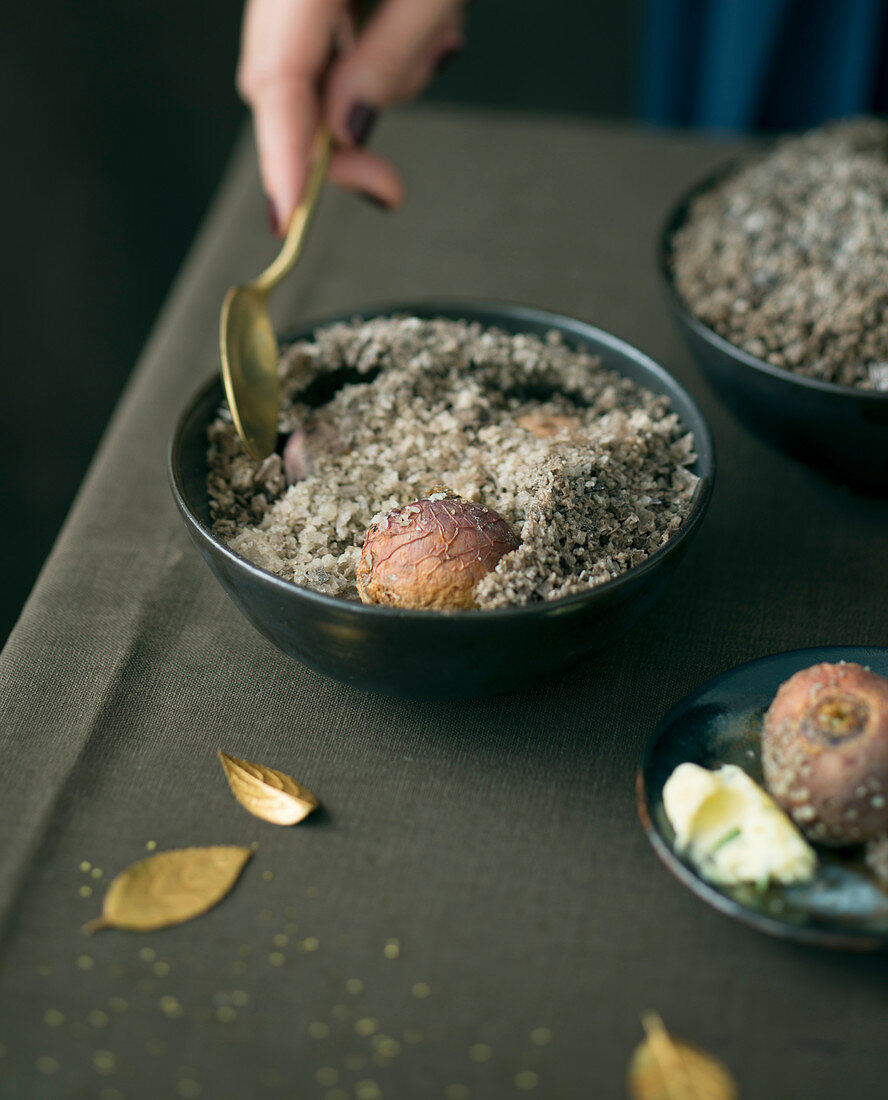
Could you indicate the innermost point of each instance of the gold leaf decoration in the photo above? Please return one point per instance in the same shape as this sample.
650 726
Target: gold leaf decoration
170 888
267 793
664 1068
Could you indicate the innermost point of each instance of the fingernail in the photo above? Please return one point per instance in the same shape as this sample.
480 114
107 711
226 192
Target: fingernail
375 200
360 122
273 223
447 58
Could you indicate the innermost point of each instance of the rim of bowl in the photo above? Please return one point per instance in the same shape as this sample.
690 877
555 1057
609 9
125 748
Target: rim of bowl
427 309
674 220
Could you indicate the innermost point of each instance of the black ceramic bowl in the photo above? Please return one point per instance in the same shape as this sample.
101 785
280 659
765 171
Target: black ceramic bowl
841 431
427 654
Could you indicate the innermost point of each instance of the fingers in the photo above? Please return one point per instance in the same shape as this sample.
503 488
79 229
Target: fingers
393 58
369 175
285 46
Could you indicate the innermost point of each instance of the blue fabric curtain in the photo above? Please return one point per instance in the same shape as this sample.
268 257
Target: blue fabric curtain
760 64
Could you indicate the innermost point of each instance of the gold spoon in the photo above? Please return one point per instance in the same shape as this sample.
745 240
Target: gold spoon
247 342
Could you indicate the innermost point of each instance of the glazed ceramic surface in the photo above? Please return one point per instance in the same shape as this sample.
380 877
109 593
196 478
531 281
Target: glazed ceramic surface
839 430
720 723
443 655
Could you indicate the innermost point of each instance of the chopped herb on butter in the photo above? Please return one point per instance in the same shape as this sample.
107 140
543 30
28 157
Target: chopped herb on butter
732 830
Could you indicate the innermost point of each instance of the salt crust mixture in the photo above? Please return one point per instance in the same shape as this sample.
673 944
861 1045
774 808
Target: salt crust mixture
435 403
788 258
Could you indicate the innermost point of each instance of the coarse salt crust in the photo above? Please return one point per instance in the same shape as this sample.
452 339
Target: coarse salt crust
787 258
426 403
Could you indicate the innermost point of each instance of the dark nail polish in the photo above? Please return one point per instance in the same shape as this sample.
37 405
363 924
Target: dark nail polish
360 122
273 223
375 200
447 58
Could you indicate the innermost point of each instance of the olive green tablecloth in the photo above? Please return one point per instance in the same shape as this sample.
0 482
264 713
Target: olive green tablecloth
477 911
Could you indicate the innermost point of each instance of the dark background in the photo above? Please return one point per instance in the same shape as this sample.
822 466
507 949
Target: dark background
119 118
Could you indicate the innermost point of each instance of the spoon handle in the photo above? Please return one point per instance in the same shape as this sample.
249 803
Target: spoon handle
297 229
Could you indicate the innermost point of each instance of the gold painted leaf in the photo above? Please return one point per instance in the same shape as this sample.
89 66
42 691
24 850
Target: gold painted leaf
170 888
267 793
663 1068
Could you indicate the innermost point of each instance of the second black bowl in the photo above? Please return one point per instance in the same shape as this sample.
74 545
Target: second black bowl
839 430
434 654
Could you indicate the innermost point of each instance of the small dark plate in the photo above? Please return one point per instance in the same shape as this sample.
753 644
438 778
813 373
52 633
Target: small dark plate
839 430
720 723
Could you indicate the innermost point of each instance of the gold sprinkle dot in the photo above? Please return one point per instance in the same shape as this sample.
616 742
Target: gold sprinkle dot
355 1061
147 954
188 1088
457 1092
117 1004
327 1075
541 1036
309 944
46 1064
280 940
85 865
312 891
110 1093
527 1080
53 1017
161 969
267 876
366 1025
340 1012
226 1014
171 1007
277 958
96 872
318 1030
240 998
367 1090
85 962
97 1018
255 845
421 990
386 1046
85 891
413 1037
151 845
392 949
354 985
104 1062
480 1052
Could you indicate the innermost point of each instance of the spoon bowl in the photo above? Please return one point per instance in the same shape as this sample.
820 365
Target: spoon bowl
249 367
247 344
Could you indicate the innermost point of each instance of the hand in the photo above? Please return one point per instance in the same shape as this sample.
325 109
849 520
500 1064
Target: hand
284 74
